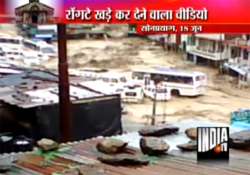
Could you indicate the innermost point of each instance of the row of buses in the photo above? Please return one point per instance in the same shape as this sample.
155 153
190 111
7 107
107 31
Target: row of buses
133 89
16 48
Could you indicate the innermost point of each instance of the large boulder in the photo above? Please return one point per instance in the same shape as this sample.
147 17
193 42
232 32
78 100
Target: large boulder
111 146
240 140
153 146
190 146
191 133
123 159
159 130
47 144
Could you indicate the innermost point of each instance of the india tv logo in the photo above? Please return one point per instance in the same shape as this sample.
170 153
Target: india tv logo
213 144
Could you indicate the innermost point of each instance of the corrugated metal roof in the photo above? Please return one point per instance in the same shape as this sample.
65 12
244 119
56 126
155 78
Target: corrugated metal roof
32 88
175 163
84 154
14 80
40 97
241 69
26 77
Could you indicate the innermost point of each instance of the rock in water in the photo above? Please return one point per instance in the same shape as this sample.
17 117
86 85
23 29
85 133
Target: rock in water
190 146
153 146
111 146
191 133
47 144
240 140
160 130
123 159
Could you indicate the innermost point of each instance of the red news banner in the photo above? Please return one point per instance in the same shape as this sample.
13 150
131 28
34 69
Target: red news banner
152 16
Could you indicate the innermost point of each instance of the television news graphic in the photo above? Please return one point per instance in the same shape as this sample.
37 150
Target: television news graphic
213 144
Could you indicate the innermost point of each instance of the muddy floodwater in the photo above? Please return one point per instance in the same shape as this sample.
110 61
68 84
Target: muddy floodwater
124 54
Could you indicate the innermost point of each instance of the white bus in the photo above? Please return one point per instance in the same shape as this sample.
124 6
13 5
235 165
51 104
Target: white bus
20 43
175 82
46 32
34 58
41 46
29 44
11 53
113 78
47 49
10 41
128 93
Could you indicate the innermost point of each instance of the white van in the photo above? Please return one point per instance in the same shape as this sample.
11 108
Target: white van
160 93
10 41
11 53
132 93
34 58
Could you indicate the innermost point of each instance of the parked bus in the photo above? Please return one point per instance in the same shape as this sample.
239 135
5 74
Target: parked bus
34 58
47 49
12 53
19 43
30 44
113 78
10 41
175 82
46 32
128 93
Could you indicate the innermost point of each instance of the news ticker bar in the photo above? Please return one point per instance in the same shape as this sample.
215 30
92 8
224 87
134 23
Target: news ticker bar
153 16
193 28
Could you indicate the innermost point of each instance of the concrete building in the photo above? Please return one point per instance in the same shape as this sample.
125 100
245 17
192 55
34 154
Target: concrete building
207 49
230 53
239 49
168 41
238 64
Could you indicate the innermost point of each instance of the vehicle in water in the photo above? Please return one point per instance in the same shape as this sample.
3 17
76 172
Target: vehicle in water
173 82
112 83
